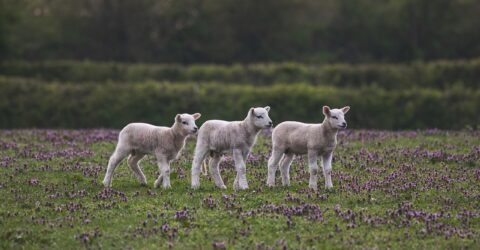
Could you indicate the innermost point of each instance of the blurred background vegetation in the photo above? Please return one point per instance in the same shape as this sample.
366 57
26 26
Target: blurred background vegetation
400 64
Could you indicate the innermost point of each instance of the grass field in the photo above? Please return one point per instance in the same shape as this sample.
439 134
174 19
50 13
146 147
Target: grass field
413 189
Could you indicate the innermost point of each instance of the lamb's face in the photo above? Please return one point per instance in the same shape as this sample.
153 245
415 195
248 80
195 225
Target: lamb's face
336 117
260 117
186 122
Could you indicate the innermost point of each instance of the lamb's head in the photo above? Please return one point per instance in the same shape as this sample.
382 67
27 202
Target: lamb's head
336 117
186 123
260 118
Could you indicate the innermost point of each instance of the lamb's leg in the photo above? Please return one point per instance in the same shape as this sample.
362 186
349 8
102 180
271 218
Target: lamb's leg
237 177
285 168
272 166
327 169
313 168
120 153
200 154
164 176
215 171
241 178
204 168
133 162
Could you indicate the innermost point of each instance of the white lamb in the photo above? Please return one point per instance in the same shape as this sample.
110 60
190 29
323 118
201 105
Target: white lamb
315 140
139 139
215 137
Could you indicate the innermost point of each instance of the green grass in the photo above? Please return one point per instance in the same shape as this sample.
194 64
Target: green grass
63 211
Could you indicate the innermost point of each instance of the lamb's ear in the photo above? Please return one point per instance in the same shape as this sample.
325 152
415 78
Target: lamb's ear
178 118
267 108
326 110
196 116
252 111
345 109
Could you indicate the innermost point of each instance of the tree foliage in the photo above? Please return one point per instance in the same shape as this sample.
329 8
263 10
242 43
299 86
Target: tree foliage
189 31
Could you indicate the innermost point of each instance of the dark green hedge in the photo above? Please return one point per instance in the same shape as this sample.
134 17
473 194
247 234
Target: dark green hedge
437 75
28 103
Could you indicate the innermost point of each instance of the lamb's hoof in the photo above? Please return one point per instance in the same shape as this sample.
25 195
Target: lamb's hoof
107 184
156 184
241 187
270 183
167 186
196 186
313 186
329 187
222 187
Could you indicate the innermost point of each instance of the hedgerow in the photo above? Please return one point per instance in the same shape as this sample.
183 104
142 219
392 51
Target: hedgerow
438 74
32 103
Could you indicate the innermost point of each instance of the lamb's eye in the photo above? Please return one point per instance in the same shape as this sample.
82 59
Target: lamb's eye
259 116
185 123
334 117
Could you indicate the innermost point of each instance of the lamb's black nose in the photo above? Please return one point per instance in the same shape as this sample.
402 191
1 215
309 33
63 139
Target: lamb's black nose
195 128
270 124
344 124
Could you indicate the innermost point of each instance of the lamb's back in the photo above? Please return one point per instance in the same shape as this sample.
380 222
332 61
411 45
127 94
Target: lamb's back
142 136
221 135
291 134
